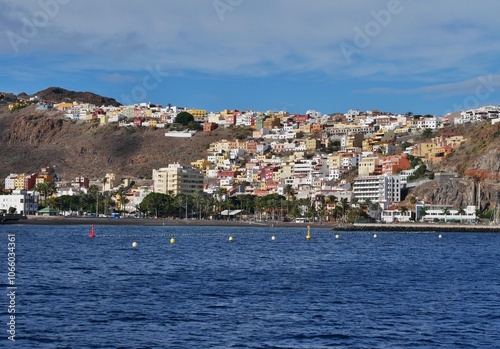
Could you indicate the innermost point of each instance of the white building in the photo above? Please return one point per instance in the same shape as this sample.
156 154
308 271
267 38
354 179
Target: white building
444 213
10 181
391 216
384 189
478 114
25 203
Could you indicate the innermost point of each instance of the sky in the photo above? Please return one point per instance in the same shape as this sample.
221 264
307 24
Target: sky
399 56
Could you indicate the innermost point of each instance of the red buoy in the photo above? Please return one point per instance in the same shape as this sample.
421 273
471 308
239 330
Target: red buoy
92 233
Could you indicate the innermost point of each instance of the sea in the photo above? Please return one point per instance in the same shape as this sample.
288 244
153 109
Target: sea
270 287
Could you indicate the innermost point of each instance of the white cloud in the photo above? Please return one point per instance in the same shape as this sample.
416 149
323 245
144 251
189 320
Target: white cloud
118 78
483 85
424 40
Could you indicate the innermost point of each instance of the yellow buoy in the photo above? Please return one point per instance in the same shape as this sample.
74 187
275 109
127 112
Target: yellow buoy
230 239
172 241
337 236
134 244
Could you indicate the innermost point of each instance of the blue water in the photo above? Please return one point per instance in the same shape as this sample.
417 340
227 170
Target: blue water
396 291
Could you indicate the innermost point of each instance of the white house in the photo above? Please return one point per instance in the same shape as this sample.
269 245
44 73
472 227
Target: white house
25 203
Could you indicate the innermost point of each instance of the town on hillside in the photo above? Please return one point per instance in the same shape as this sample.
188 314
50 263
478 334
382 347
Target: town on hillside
309 167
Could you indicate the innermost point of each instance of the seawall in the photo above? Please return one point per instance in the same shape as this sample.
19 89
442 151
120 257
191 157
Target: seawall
420 227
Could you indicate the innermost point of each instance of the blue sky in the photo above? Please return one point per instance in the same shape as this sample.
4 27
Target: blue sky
427 57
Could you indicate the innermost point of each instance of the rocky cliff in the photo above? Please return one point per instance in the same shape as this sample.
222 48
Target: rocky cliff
458 192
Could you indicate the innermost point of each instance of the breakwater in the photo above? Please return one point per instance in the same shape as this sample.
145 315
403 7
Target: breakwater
420 227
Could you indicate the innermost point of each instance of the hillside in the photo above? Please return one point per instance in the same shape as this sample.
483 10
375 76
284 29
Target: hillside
477 164
32 139
57 95
480 157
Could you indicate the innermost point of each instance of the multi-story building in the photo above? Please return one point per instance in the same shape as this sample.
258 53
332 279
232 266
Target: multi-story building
384 189
24 202
177 179
10 181
368 165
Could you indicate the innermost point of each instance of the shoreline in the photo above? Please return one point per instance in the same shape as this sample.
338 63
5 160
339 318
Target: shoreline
423 227
376 227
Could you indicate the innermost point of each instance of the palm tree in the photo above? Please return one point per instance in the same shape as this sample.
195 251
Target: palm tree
197 199
45 189
344 203
461 212
446 212
337 212
288 191
404 210
121 198
367 202
422 212
294 211
322 212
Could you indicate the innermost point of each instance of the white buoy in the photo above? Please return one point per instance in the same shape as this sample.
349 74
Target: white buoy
375 236
337 236
230 239
134 244
440 236
273 238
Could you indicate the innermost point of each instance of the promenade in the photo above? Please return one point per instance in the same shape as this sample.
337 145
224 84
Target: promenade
375 227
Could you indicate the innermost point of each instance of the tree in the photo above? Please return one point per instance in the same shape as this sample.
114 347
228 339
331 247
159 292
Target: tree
405 145
184 118
422 212
345 207
157 203
121 198
446 212
461 212
193 125
404 210
46 189
288 191
322 212
427 133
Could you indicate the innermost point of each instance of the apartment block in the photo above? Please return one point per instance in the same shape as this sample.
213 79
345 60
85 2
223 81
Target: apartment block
177 179
384 189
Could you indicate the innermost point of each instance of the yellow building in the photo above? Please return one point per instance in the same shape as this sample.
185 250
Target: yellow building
335 160
311 144
272 122
44 178
198 114
367 165
104 119
63 106
177 179
306 128
200 165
